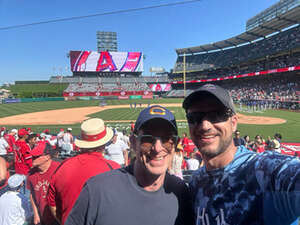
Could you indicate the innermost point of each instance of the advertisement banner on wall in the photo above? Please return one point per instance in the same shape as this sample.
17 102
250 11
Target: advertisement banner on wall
14 100
98 98
92 61
123 97
135 97
147 96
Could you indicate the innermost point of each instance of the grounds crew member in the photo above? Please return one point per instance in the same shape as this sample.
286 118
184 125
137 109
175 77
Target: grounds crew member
38 181
142 193
236 186
69 178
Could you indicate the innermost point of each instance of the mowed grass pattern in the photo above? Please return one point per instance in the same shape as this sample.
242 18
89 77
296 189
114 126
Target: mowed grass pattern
289 130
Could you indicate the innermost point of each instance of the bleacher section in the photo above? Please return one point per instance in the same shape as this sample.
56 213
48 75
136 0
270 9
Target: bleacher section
278 43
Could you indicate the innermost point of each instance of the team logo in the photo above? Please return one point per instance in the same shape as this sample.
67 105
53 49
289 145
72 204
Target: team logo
209 86
146 92
98 93
71 94
157 111
122 93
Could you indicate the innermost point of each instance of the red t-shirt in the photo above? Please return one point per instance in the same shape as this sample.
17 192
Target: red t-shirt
188 146
38 185
10 139
68 180
23 158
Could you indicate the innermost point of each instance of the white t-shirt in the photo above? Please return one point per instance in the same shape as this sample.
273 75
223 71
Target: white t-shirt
115 151
60 138
14 208
68 138
3 146
192 164
125 138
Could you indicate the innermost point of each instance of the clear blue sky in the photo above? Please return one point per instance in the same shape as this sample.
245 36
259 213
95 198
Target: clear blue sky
38 52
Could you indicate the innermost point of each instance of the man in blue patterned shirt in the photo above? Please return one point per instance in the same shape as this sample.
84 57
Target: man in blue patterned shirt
236 186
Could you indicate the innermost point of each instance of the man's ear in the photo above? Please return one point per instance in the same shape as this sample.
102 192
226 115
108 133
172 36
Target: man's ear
234 122
132 140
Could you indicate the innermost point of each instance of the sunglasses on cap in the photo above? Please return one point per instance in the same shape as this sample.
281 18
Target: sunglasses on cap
36 157
147 141
212 116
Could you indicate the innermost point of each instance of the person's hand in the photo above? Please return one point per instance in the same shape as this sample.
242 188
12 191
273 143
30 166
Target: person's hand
36 220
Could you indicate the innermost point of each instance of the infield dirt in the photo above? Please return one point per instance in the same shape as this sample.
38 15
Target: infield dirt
77 115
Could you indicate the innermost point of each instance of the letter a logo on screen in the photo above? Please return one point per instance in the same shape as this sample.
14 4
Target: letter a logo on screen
105 62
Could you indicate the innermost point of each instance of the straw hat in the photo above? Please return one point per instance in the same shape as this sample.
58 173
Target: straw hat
93 134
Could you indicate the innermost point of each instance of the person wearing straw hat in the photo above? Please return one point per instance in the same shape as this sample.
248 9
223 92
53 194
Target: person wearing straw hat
69 178
142 193
14 206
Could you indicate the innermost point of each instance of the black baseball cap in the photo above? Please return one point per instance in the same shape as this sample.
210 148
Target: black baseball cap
155 112
220 93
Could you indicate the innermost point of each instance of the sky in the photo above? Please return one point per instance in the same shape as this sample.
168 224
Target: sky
40 51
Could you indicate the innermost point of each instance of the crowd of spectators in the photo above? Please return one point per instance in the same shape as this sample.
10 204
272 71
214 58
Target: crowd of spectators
276 91
283 41
267 63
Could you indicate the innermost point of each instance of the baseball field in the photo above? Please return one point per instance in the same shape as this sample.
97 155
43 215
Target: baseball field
119 113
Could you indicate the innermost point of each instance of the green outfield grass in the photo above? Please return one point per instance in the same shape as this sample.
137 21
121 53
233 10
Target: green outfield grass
37 90
289 130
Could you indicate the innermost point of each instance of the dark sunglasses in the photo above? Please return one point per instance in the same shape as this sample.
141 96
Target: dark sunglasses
36 157
212 116
147 141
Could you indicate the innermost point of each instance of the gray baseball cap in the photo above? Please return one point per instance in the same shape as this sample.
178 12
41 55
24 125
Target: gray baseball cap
220 93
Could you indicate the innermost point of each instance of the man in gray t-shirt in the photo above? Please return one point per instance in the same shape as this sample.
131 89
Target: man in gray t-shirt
142 193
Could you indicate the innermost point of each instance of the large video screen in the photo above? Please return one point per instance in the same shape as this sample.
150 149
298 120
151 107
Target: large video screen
90 61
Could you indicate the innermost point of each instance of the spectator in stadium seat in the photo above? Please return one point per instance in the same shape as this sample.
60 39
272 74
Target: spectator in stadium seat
23 158
142 193
15 206
117 150
258 146
248 142
237 139
39 177
236 185
67 142
69 178
176 162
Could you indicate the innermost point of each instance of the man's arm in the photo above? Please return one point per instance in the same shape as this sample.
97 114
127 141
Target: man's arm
36 217
125 155
51 199
53 211
279 177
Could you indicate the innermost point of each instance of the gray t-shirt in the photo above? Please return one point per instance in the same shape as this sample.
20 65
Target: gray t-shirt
114 198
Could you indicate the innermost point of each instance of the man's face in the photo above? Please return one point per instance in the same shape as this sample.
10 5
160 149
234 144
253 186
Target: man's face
115 138
32 141
212 138
38 161
155 156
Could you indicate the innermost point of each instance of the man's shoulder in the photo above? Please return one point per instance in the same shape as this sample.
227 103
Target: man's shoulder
174 184
107 178
273 160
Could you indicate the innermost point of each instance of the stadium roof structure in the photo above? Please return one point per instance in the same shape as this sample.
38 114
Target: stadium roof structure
277 24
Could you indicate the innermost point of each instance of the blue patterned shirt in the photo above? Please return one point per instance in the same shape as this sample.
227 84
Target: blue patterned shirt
253 189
